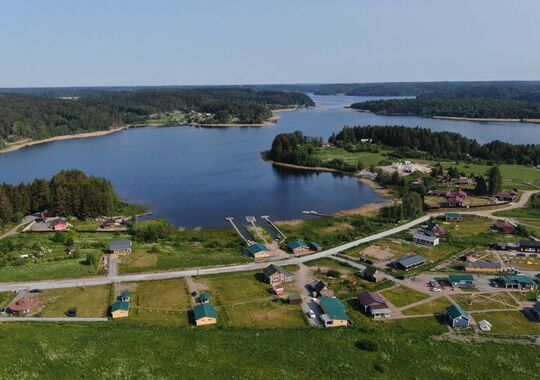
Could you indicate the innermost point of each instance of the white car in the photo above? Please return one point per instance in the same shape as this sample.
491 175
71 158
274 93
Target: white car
311 314
435 289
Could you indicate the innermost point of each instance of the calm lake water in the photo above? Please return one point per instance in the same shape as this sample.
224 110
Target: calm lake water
197 177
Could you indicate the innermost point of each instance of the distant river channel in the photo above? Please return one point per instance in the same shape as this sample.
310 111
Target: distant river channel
195 177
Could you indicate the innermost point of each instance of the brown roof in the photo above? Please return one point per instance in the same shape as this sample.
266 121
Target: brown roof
25 303
369 298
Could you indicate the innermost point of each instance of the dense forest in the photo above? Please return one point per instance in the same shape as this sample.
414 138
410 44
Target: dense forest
466 107
39 117
425 143
69 193
528 91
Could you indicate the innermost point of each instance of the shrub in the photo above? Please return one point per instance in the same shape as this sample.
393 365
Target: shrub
367 345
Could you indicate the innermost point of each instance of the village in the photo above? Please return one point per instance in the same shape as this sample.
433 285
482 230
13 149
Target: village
471 270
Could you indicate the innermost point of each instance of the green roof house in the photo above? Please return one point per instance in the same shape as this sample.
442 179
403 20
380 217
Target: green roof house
518 282
463 281
315 246
335 313
204 314
258 250
297 246
120 309
125 296
457 317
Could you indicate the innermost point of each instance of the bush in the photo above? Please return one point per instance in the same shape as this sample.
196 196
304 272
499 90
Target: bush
333 273
367 345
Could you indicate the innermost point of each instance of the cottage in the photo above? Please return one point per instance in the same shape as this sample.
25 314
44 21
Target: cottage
298 247
314 246
409 262
204 314
463 181
529 246
204 298
125 296
508 197
59 225
25 305
320 289
457 317
295 299
504 227
259 251
453 217
108 224
433 228
423 238
373 275
374 304
120 247
455 201
334 312
462 281
274 274
519 281
120 309
536 311
483 267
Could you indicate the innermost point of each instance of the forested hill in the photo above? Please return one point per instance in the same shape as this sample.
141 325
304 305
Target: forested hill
467 108
39 117
69 193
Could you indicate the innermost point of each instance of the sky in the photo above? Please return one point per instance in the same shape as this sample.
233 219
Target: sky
162 42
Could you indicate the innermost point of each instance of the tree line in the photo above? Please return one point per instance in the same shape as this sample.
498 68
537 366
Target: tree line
458 107
68 193
39 117
425 143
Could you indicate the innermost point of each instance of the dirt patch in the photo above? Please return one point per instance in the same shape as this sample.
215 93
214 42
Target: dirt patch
369 209
379 253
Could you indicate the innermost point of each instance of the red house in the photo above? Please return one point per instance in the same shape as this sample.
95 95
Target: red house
504 227
456 201
25 305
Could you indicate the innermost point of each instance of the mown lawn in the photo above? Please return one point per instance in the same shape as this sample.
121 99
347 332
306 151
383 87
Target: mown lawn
5 298
243 300
510 323
404 350
437 306
367 158
161 302
402 296
91 301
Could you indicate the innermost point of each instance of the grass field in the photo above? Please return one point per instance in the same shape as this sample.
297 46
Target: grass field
243 300
484 301
164 302
189 249
108 351
91 301
437 306
510 323
367 158
5 298
402 296
48 270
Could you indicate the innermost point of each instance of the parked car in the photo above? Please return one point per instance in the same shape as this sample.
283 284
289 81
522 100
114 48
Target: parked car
435 289
365 260
311 314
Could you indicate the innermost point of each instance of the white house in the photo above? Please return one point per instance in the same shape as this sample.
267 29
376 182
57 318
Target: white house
424 239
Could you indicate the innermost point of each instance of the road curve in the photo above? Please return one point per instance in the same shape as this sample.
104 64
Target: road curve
103 280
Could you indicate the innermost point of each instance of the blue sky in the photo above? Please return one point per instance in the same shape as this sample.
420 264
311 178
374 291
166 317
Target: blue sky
121 42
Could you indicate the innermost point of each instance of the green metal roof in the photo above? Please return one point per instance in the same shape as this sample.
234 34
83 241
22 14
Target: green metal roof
205 297
455 311
517 279
315 244
126 294
296 244
257 248
334 308
204 310
453 215
120 305
460 277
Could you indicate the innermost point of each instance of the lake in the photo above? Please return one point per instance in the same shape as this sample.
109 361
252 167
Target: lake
197 177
